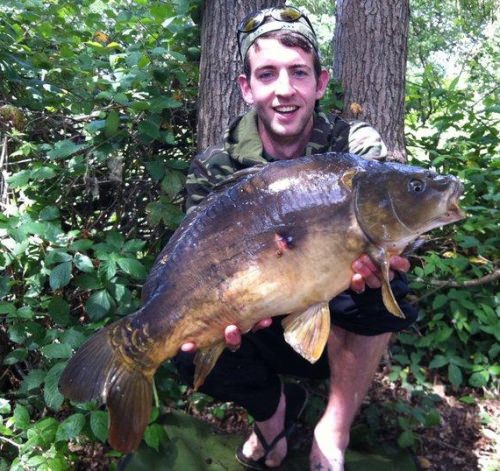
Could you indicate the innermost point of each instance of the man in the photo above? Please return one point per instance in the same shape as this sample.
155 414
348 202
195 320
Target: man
283 81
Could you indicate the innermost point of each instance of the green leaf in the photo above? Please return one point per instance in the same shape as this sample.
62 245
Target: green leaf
112 123
432 418
57 256
479 379
164 211
149 129
17 355
163 102
19 179
132 267
439 301
21 417
60 276
99 424
438 361
154 435
64 149
455 375
156 169
115 239
99 304
43 173
173 182
49 213
88 281
33 380
81 244
133 246
45 431
73 337
70 428
53 398
59 310
56 350
406 439
4 406
83 263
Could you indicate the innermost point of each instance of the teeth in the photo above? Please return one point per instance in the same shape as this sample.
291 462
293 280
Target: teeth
285 109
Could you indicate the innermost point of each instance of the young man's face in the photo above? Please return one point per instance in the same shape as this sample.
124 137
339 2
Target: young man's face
283 89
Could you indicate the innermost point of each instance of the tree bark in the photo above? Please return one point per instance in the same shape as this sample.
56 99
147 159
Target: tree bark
370 52
219 99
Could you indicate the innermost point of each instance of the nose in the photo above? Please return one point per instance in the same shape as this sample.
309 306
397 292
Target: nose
283 85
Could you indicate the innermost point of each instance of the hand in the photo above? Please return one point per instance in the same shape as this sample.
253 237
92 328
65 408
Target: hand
232 336
366 273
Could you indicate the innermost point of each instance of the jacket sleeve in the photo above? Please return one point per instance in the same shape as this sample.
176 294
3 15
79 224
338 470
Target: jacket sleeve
199 183
365 141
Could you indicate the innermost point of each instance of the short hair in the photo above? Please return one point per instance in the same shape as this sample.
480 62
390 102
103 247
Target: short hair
288 39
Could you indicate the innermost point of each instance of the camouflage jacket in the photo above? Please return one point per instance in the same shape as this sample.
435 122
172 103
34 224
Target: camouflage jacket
242 148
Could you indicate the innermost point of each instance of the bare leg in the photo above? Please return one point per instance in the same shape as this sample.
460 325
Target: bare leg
270 428
353 360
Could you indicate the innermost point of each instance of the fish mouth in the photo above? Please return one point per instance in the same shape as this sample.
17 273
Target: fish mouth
454 212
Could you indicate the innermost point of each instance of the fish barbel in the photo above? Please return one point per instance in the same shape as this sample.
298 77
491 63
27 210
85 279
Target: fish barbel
277 239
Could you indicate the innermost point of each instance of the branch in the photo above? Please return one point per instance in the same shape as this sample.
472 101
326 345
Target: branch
489 278
11 442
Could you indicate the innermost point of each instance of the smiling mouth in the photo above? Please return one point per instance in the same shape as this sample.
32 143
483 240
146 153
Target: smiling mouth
285 109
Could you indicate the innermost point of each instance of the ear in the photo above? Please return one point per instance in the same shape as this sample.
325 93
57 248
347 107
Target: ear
323 79
246 89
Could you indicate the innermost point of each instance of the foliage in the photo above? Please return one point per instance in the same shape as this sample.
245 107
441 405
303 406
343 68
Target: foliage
97 107
459 328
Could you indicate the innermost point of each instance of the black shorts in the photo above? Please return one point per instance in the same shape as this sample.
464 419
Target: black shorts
365 313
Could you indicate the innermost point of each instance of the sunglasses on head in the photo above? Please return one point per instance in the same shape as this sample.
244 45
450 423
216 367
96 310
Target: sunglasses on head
286 14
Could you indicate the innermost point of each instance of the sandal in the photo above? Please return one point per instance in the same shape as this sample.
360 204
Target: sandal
296 400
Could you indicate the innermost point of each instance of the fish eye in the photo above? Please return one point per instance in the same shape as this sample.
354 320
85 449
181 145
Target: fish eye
416 185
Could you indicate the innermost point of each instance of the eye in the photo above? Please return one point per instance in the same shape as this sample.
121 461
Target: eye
265 76
416 185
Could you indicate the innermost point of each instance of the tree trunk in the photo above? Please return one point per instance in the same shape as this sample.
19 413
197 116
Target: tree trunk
370 61
219 99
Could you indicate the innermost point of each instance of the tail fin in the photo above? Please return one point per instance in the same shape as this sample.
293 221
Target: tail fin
99 370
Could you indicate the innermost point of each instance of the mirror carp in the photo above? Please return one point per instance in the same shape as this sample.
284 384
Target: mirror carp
271 240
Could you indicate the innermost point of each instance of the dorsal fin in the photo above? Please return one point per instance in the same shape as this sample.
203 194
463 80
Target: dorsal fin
236 177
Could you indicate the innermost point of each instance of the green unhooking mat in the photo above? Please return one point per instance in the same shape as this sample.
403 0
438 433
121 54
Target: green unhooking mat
194 445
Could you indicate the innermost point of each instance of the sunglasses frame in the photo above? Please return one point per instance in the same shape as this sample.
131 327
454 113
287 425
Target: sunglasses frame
260 15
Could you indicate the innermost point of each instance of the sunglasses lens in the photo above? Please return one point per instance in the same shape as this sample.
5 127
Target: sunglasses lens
251 22
288 14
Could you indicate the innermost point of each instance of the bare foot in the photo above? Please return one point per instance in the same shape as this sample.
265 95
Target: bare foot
270 428
324 455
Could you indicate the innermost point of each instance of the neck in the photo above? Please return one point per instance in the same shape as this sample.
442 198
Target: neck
288 147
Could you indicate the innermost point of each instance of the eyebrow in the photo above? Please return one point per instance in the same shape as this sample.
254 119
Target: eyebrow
273 67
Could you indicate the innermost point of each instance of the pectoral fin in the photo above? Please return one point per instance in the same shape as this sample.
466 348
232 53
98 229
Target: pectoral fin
387 295
307 332
204 360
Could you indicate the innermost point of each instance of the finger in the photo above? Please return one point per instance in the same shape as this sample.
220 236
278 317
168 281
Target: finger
232 336
262 324
370 277
358 266
373 281
188 347
399 263
357 283
369 263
